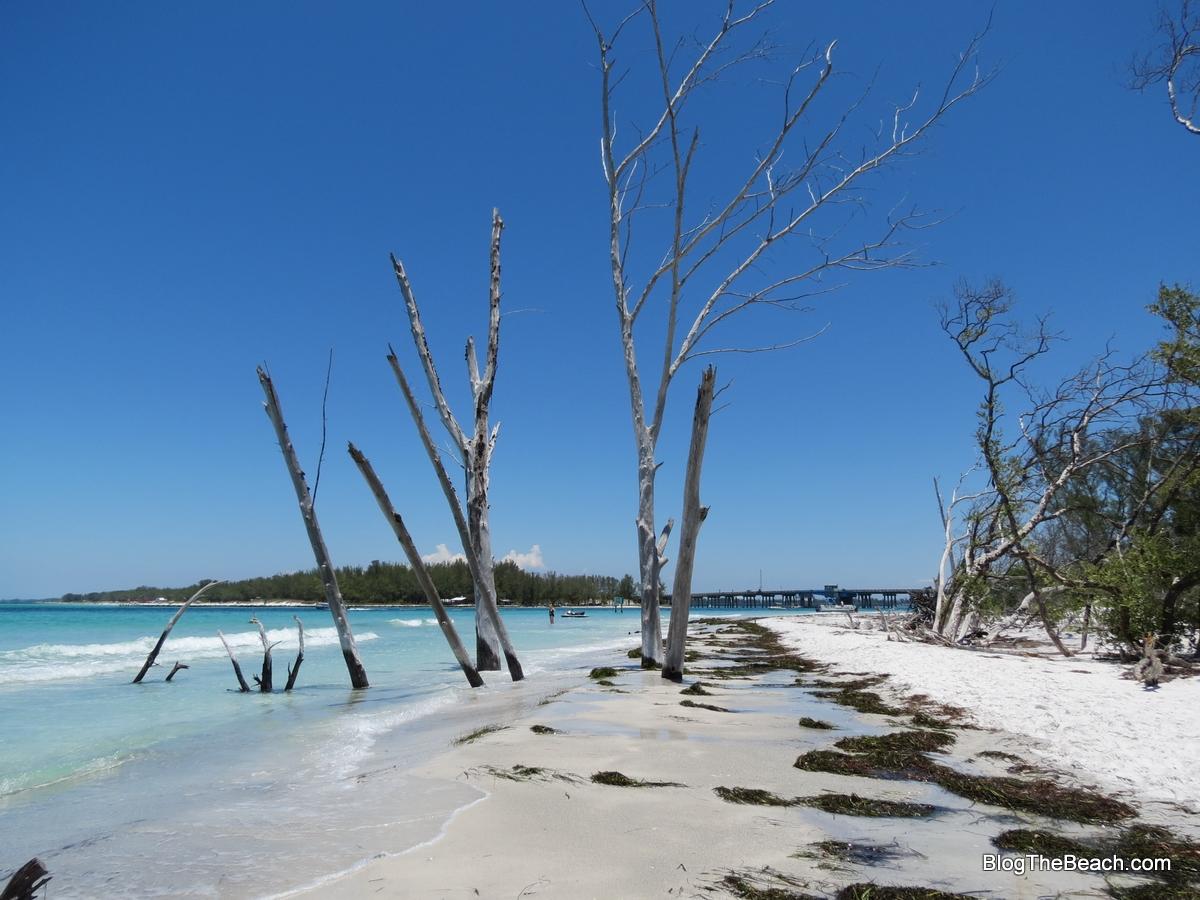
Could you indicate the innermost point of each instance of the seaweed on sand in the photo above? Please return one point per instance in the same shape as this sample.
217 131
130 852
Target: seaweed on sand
475 735
696 690
1000 754
603 672
1043 843
863 701
694 705
765 885
528 773
854 805
859 853
543 729
752 796
897 742
618 779
807 722
867 891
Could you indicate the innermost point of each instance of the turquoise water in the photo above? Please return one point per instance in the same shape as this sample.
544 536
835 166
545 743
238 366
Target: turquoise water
194 789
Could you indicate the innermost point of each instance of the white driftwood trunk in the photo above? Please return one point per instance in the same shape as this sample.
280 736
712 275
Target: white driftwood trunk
693 517
333 594
294 670
265 681
166 631
476 448
418 565
464 533
237 669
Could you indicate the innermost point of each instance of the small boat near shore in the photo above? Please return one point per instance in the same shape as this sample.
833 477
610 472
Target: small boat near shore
574 614
836 607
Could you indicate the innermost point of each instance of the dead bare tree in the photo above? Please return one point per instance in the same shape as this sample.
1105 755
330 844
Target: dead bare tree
294 669
474 564
166 631
175 668
264 681
693 517
1175 61
418 566
1029 469
237 669
710 267
333 594
475 447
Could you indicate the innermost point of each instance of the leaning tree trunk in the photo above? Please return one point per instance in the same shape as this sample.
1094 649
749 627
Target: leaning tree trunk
460 523
693 517
237 669
294 670
418 566
163 637
333 594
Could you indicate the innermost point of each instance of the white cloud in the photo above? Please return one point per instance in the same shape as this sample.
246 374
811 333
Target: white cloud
531 560
442 555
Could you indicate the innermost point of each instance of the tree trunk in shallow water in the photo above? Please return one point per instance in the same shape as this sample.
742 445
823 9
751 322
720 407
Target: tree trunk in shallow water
487 641
163 637
265 683
418 566
237 670
693 517
333 594
26 882
175 668
294 670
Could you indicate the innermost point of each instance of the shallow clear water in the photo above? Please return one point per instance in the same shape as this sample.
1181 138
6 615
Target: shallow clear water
193 789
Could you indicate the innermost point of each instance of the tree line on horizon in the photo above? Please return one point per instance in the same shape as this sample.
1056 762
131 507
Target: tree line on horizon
390 582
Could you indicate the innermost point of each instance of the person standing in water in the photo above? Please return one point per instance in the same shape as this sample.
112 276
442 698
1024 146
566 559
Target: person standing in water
551 612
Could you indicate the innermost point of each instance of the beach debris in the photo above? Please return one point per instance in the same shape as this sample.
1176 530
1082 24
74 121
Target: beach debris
694 705
807 722
472 736
308 512
166 631
764 884
873 807
543 729
237 669
693 517
527 773
175 668
863 701
26 881
294 669
603 672
753 796
696 690
264 682
418 566
861 853
618 779
870 891
475 453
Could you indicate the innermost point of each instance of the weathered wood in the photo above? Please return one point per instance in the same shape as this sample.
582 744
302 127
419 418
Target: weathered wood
418 566
264 681
26 881
476 448
333 594
237 670
473 563
294 669
693 517
166 631
175 668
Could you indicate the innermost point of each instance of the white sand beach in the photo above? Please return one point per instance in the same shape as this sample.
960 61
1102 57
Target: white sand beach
542 828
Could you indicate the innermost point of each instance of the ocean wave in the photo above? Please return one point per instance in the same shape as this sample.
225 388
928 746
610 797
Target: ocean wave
15 784
52 662
412 623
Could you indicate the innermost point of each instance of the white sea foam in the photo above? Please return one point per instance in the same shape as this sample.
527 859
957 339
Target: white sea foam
412 623
51 662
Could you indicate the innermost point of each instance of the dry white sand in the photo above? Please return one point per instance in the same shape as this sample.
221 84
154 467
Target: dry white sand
557 834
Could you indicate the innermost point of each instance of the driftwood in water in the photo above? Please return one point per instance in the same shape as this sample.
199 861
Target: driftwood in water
689 530
418 565
237 670
333 594
263 681
460 522
294 670
26 881
163 637
178 665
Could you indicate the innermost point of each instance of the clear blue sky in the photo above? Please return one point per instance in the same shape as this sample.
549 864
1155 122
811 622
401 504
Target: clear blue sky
191 189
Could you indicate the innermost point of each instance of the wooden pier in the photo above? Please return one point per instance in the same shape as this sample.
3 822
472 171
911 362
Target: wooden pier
801 598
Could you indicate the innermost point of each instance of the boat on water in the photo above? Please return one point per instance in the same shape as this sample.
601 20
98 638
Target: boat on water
836 607
574 614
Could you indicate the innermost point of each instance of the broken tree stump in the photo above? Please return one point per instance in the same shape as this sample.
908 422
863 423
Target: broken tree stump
237 670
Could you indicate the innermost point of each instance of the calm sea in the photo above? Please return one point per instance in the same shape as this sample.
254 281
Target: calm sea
191 789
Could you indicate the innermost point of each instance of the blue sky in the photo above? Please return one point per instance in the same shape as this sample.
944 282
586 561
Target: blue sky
190 190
